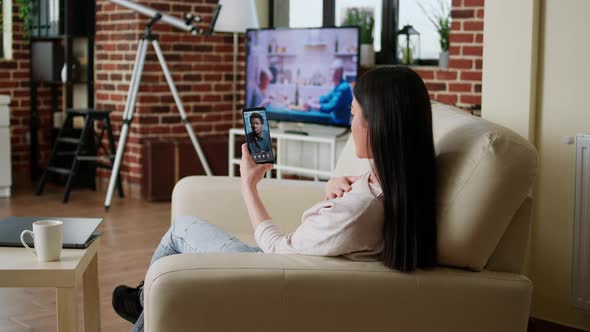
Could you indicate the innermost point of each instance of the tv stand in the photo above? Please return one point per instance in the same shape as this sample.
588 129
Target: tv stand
296 132
283 136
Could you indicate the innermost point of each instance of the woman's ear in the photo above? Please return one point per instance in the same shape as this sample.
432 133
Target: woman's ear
365 124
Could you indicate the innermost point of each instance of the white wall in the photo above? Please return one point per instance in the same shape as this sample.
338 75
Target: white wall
510 52
563 110
560 107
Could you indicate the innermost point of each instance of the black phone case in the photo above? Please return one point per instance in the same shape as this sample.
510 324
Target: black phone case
270 160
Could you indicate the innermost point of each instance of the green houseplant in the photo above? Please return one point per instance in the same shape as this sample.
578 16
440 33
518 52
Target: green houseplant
364 18
25 10
441 19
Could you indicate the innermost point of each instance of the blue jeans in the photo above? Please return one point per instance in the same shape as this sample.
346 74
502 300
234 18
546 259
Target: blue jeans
192 235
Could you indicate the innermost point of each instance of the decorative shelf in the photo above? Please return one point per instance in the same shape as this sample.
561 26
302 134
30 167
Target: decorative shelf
56 37
281 54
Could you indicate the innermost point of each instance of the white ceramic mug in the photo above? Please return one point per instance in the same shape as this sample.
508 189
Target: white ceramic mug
48 238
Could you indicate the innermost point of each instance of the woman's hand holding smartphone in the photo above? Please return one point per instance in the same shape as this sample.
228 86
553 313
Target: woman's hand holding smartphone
250 172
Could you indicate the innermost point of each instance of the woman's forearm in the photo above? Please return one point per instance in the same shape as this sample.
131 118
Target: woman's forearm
256 210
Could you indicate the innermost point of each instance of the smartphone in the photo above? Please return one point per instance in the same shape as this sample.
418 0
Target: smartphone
258 135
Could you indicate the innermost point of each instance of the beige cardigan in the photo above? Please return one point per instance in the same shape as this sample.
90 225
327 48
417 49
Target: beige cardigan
351 226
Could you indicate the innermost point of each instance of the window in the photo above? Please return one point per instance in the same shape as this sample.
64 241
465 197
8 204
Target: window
305 13
410 13
374 6
390 16
6 33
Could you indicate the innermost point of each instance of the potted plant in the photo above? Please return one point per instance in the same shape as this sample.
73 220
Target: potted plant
25 9
363 17
441 19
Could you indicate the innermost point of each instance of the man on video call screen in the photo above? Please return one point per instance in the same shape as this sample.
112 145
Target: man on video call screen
258 140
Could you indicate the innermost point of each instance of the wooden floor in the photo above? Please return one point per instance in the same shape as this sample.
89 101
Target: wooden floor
132 228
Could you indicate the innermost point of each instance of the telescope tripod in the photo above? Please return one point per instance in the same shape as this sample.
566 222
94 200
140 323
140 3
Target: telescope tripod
146 39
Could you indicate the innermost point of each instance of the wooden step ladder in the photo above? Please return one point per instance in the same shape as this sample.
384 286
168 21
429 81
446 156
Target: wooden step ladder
87 148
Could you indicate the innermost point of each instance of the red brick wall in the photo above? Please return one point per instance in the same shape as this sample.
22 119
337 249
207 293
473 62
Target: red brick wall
201 67
460 84
14 82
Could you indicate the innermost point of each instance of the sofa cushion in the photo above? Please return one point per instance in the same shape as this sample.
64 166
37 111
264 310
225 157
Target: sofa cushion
485 172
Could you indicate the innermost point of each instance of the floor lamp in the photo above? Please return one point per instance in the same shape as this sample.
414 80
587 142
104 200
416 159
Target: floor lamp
236 16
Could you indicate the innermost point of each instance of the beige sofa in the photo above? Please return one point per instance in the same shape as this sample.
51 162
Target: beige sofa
485 176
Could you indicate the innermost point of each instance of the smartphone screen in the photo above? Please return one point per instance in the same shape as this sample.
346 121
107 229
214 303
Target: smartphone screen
258 135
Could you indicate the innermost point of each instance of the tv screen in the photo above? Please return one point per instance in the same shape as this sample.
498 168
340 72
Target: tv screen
302 75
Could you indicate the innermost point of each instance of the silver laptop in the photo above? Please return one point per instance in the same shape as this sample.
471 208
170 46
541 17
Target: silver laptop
78 232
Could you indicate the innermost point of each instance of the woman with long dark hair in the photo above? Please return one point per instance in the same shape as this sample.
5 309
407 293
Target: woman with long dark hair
396 107
387 214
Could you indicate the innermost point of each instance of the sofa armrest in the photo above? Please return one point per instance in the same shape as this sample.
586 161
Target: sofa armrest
270 292
218 200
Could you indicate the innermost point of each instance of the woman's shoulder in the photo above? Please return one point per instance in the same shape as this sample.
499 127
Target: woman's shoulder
361 197
350 210
364 184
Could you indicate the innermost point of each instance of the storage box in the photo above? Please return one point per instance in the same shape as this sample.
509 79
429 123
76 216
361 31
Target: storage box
166 161
158 177
47 61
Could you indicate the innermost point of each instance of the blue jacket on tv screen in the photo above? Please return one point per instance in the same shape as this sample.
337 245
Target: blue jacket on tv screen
337 102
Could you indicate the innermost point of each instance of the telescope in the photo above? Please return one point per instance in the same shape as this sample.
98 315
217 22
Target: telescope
187 24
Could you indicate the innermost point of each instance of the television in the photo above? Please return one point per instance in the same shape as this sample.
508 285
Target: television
302 74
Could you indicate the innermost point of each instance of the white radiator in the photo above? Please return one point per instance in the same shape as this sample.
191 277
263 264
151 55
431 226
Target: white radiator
581 245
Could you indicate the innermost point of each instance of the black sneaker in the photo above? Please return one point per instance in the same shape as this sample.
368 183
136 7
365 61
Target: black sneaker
126 302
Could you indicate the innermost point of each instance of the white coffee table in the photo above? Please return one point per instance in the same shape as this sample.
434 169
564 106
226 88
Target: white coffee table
77 267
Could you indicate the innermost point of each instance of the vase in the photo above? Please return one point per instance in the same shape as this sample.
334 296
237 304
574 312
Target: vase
75 71
443 59
367 55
